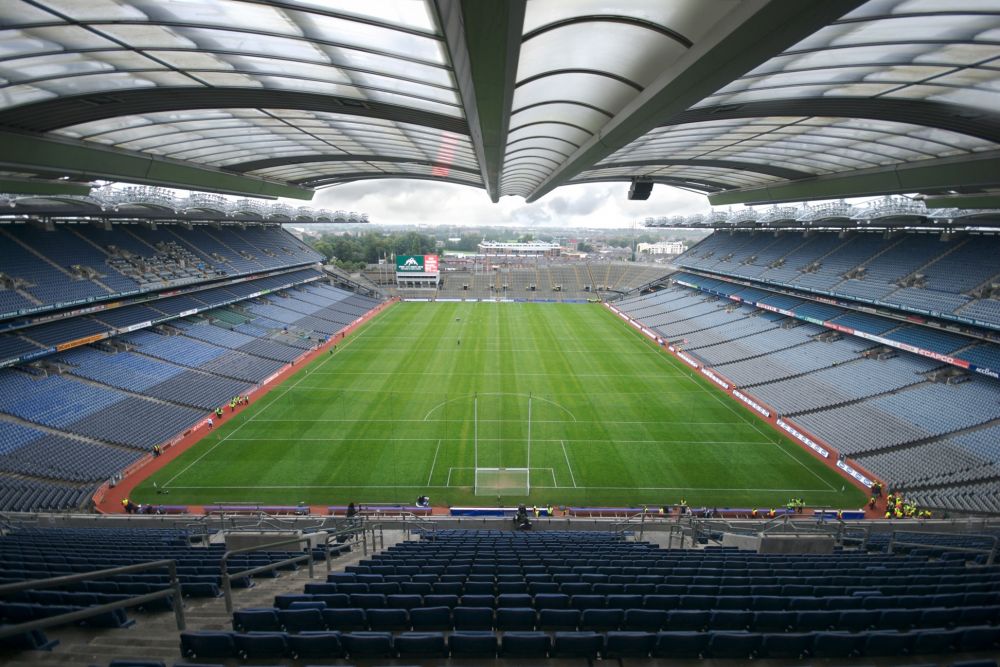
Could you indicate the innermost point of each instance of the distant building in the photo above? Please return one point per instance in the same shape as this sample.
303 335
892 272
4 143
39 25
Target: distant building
662 248
529 249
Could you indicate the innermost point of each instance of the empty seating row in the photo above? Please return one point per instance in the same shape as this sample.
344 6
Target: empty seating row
315 615
577 644
88 263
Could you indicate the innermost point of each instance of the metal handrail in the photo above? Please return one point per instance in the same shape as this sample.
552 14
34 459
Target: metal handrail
621 527
197 528
411 518
227 577
89 612
990 552
349 530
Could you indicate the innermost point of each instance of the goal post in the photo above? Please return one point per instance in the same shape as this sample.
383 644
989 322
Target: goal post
500 481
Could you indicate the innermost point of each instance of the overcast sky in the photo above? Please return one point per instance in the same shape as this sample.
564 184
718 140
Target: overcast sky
572 206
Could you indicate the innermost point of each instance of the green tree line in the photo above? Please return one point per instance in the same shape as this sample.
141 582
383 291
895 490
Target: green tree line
354 251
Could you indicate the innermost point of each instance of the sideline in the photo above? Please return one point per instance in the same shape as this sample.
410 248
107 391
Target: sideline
771 420
108 500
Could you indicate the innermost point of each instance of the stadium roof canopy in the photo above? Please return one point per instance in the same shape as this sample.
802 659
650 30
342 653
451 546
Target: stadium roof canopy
745 100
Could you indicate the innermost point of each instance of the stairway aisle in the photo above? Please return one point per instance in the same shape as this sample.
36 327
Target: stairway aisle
155 636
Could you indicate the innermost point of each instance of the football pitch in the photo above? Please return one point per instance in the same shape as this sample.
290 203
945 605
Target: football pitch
487 403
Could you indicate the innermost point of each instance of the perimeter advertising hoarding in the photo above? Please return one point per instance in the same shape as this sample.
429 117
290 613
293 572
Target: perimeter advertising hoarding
417 265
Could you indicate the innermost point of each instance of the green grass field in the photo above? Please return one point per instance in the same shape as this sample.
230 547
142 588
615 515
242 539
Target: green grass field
418 398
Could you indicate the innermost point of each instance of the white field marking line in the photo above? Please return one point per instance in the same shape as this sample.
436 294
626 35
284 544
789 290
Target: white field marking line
555 482
767 437
659 393
546 441
431 473
581 488
258 413
447 482
533 421
542 441
571 476
492 393
484 373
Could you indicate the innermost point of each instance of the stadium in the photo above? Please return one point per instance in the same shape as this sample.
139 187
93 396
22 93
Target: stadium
218 447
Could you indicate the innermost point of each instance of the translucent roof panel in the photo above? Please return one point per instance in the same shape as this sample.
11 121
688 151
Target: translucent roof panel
810 145
392 53
907 49
318 92
229 137
326 173
583 62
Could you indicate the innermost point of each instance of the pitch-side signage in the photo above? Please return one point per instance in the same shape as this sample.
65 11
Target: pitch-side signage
803 438
714 378
854 473
752 403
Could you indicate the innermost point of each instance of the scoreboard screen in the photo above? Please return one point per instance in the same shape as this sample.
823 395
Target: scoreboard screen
413 266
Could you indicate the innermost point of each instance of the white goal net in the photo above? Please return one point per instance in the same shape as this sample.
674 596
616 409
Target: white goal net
502 482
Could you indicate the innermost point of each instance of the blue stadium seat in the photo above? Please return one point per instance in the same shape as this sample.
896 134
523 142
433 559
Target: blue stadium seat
345 620
835 645
256 620
729 619
550 601
649 620
466 644
364 645
307 645
514 618
740 645
420 645
687 619
404 601
601 620
629 644
473 618
794 645
680 644
388 619
558 619
773 621
525 645
430 618
577 645
301 620
981 638
441 600
260 645
207 644
886 643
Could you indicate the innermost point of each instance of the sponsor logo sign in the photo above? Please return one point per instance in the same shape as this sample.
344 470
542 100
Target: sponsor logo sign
752 403
690 362
803 438
714 378
80 341
134 327
854 473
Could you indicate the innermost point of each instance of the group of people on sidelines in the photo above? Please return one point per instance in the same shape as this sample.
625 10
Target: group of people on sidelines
233 402
899 507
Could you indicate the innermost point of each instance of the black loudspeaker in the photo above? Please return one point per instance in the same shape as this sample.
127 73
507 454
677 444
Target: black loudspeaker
639 190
